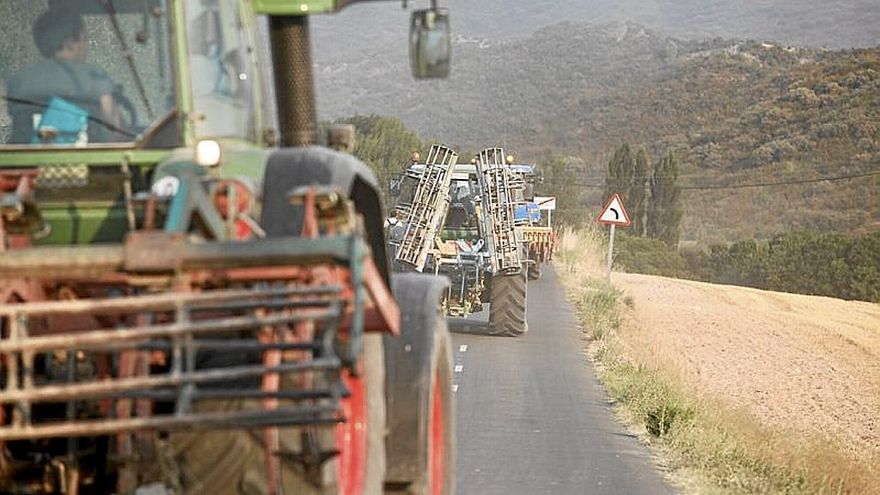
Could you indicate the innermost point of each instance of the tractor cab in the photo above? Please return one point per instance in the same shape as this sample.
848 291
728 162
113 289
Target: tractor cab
194 297
100 100
99 96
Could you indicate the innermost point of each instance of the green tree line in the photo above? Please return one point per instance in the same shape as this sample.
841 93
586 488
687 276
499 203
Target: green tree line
801 262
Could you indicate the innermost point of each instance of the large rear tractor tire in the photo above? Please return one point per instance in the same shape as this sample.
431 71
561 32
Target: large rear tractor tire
420 447
233 462
507 305
360 466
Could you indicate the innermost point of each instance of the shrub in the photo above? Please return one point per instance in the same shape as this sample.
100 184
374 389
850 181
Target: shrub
741 263
802 262
649 256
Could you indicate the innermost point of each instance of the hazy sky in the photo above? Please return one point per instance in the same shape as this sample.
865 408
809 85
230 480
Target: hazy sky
832 23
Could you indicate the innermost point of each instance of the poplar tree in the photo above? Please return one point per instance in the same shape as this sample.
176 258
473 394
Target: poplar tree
637 196
627 176
664 205
619 175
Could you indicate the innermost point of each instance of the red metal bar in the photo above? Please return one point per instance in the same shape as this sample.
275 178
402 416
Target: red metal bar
110 338
58 393
382 300
271 383
190 422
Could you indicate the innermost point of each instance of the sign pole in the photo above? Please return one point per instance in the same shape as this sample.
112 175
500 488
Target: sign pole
613 214
610 251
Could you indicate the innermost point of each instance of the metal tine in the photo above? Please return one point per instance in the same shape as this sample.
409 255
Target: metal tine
57 393
70 409
152 302
270 304
282 416
185 386
223 345
211 394
101 338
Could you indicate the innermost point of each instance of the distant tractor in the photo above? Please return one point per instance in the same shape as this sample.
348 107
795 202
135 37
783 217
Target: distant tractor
458 220
194 298
538 235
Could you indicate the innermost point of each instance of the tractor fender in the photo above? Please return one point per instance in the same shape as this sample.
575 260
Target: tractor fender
289 168
408 372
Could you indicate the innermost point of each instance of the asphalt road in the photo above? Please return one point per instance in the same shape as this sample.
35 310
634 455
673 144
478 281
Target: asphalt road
532 419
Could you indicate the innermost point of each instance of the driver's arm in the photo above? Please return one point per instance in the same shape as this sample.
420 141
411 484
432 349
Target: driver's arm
110 110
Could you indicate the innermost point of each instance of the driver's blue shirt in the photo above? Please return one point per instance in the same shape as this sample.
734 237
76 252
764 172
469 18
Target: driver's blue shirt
29 90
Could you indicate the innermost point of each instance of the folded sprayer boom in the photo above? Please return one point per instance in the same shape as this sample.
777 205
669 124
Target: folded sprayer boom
424 216
499 186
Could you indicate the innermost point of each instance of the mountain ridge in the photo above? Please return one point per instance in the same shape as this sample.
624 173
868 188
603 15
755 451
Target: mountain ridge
734 111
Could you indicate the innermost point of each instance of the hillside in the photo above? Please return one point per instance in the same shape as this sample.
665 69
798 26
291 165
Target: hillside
735 112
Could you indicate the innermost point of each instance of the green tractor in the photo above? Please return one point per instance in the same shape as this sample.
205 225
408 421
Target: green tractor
194 296
458 220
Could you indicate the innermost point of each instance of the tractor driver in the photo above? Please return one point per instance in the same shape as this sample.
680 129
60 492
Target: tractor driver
83 89
461 208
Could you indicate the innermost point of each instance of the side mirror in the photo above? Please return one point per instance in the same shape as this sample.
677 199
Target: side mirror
429 44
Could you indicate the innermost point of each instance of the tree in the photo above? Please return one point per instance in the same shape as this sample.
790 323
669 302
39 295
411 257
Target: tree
620 170
664 206
559 179
636 198
385 145
627 176
864 257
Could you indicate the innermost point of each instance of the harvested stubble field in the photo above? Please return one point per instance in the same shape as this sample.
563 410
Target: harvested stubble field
742 390
811 364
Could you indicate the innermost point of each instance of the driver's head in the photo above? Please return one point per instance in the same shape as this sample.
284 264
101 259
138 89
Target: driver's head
60 33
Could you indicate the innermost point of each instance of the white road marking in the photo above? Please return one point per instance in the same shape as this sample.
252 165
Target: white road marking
455 388
459 368
462 348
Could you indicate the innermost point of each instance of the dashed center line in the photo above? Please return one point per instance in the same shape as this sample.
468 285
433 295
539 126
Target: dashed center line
455 388
459 368
462 348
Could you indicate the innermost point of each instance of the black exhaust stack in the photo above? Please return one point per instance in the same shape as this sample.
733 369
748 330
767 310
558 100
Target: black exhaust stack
294 83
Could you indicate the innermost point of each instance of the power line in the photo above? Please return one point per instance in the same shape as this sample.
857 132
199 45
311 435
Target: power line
697 187
784 183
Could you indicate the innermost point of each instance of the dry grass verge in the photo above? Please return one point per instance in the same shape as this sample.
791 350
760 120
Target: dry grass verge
709 446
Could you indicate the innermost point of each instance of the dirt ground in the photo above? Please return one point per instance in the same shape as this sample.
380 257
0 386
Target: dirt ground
802 362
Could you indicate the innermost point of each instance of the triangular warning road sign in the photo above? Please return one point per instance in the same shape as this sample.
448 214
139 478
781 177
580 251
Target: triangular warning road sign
613 213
